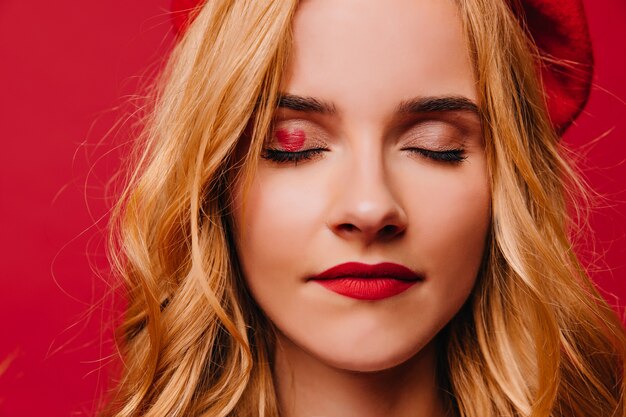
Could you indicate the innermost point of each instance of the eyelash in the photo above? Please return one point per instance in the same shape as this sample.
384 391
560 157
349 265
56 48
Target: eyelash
451 156
285 157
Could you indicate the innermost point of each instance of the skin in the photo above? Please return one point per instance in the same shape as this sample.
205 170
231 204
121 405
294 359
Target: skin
368 197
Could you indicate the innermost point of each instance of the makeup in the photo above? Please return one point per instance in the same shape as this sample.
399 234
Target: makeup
368 282
290 140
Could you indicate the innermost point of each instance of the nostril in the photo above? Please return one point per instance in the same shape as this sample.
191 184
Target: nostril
389 231
347 227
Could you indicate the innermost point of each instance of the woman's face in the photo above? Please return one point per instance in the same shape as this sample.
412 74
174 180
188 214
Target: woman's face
376 158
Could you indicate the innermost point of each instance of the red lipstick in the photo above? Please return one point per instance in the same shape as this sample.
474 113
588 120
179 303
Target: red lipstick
368 282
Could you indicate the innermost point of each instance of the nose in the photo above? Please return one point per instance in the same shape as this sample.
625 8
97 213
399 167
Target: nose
365 207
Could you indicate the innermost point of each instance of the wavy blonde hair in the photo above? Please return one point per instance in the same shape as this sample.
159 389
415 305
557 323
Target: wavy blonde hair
534 339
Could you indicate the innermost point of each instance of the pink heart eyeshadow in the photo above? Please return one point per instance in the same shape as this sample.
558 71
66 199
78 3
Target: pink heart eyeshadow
290 141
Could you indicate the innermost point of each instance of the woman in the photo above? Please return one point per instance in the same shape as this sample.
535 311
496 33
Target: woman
358 208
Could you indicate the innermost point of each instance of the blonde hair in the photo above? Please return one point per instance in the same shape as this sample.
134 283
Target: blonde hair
534 339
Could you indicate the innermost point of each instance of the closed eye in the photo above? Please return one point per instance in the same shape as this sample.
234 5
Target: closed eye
452 156
284 157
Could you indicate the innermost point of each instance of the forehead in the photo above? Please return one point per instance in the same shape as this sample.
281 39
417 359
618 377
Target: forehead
355 52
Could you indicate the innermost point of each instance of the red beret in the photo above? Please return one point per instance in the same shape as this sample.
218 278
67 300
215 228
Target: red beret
558 27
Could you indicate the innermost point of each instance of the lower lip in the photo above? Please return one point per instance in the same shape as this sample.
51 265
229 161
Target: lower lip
367 288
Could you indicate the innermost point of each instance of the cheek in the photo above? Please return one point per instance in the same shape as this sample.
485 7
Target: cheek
454 210
451 218
274 224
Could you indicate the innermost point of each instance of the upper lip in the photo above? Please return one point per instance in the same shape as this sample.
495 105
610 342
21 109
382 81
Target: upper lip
361 270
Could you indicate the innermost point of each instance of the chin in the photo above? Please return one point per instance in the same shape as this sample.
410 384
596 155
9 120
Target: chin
369 358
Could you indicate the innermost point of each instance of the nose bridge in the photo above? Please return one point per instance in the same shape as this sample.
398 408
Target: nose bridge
369 192
366 205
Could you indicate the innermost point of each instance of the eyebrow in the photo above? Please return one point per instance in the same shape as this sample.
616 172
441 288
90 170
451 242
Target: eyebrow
305 104
430 104
438 104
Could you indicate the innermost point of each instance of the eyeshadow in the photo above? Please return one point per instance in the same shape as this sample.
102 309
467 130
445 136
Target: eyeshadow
290 140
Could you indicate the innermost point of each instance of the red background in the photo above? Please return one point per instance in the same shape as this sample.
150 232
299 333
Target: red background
68 70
